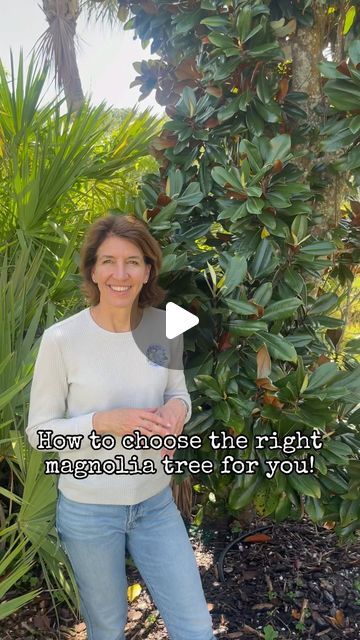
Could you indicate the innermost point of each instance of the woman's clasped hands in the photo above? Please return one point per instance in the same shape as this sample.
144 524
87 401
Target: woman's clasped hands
167 419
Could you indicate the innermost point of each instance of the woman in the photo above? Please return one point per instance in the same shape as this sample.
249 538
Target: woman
93 377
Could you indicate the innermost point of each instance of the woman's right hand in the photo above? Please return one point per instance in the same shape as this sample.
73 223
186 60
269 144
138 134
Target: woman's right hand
121 422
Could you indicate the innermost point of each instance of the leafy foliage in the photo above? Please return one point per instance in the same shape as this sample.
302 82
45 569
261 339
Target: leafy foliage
56 173
239 217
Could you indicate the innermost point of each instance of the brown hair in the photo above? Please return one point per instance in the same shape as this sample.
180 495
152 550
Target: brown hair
135 230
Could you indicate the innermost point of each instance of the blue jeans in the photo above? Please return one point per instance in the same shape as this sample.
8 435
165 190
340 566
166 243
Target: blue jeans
94 537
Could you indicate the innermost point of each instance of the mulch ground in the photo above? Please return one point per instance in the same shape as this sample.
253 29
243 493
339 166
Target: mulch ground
297 581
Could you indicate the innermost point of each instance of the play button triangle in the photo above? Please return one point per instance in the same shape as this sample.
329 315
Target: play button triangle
178 320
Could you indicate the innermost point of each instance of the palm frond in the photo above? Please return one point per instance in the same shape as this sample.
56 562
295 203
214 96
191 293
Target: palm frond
105 11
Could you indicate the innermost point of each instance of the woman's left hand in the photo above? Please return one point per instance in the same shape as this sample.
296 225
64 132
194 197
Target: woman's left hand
174 411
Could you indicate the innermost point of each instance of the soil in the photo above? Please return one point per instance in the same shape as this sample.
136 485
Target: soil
293 581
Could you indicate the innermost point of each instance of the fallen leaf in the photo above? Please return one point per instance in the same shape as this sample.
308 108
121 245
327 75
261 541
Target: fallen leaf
340 618
258 537
133 591
295 614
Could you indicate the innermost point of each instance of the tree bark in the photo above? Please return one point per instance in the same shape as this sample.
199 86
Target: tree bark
307 52
61 16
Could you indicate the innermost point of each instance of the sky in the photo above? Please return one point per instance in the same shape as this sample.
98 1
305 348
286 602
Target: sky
105 55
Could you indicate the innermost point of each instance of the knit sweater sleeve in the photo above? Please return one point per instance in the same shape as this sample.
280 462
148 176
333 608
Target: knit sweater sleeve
48 396
176 385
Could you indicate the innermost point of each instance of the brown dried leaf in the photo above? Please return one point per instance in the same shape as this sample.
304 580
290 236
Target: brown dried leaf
258 537
263 362
340 618
283 90
295 614
187 69
265 383
214 91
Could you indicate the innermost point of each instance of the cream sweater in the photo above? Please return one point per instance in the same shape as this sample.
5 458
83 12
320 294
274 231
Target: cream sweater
82 368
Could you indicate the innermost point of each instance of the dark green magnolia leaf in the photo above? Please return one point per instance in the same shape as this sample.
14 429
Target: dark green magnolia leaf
270 112
324 304
263 294
321 248
254 122
254 205
168 263
229 109
322 376
299 227
221 41
278 347
254 192
241 307
209 385
263 258
334 483
300 339
321 464
277 201
343 94
280 147
337 447
196 232
223 71
239 497
246 327
353 346
175 182
234 274
191 196
184 22
243 23
306 485
325 321
283 508
329 70
263 51
354 51
349 512
223 176
245 99
263 88
281 309
200 423
252 154
189 100
222 411
294 280
253 32
315 509
354 124
216 21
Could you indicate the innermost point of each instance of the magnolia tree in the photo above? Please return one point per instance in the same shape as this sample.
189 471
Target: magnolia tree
255 205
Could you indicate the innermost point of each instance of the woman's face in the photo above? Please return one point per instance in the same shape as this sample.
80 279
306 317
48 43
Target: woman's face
120 263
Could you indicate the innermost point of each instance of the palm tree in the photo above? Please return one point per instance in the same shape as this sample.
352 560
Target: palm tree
58 44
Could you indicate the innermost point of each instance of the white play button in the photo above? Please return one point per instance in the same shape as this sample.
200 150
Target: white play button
178 320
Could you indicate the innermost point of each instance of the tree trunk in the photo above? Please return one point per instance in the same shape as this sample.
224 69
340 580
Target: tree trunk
307 52
61 16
